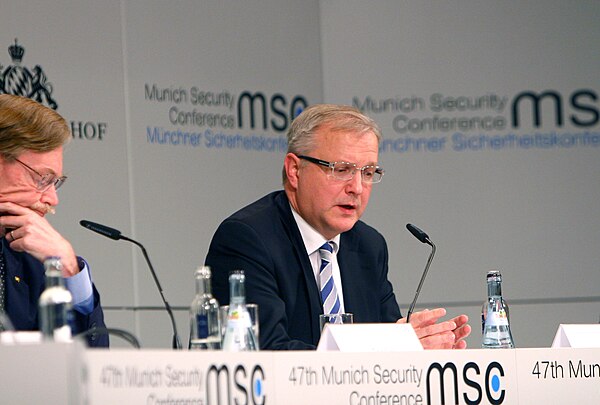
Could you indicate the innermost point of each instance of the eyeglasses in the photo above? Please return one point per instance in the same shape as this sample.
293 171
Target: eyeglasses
44 181
345 171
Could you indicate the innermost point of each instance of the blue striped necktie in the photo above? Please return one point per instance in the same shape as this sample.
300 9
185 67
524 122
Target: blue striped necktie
329 295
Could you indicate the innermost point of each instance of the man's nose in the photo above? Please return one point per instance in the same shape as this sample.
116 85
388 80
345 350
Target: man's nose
355 184
50 196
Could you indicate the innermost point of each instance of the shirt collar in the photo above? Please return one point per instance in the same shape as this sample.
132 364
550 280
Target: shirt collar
312 239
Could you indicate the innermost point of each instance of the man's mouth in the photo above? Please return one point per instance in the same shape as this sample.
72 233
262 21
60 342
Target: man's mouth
349 207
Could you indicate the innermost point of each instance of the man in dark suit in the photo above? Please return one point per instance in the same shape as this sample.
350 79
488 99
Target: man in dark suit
328 175
31 145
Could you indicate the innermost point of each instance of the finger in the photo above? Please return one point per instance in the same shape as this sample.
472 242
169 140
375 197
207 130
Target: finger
13 209
460 320
421 320
15 240
439 341
438 328
428 324
462 332
10 221
3 224
426 317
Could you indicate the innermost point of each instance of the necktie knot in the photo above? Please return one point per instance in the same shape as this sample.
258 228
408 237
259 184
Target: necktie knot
326 254
327 246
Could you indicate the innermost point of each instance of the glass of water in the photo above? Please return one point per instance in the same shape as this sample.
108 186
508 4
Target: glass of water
324 319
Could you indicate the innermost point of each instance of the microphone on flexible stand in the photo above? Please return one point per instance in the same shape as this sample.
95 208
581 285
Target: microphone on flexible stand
424 238
116 235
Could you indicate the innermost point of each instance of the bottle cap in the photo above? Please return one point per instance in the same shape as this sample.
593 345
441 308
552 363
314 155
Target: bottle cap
494 274
53 263
203 271
237 275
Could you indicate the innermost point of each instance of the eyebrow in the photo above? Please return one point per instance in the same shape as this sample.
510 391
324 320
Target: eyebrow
44 170
371 163
47 170
364 165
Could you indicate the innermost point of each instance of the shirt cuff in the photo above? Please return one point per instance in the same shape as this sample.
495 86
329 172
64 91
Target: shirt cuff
80 287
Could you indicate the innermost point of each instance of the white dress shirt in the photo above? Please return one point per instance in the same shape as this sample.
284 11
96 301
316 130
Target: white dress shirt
313 240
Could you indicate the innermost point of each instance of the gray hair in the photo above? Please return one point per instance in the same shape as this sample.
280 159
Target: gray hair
337 118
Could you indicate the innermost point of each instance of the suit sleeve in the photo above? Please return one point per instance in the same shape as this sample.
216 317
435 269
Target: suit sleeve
87 311
95 319
237 246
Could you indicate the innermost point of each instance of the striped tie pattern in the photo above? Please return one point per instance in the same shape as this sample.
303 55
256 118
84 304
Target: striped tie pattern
2 279
331 301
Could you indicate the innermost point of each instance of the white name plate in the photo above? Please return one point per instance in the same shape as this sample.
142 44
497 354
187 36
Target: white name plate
369 337
577 336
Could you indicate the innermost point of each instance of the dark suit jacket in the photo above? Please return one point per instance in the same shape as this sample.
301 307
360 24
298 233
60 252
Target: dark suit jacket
25 282
263 240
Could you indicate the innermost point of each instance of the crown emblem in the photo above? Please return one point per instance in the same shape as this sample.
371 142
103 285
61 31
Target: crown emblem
16 52
21 81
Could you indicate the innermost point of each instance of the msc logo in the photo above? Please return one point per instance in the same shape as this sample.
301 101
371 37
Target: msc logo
20 81
581 102
247 387
278 107
491 383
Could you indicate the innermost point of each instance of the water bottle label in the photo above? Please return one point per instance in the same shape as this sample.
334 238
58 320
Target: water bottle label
239 319
498 318
202 326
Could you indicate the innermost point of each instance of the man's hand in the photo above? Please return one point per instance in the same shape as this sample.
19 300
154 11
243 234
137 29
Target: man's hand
28 231
444 335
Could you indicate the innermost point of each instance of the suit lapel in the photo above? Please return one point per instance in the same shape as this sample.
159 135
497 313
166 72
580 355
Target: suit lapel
316 308
349 262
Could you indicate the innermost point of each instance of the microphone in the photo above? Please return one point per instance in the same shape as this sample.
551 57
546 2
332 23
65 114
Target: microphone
101 229
116 235
417 233
424 238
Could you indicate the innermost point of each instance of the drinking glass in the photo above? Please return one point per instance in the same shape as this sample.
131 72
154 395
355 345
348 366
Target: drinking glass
335 318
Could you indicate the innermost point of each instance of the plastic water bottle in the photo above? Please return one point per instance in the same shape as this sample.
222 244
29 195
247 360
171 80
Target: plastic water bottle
55 304
495 317
205 328
239 335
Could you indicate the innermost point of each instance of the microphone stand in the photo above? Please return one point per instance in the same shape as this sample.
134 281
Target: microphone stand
116 235
176 342
412 305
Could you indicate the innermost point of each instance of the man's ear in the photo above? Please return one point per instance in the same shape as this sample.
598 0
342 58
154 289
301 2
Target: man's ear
291 165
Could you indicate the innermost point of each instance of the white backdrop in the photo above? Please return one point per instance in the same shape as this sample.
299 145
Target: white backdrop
530 212
126 69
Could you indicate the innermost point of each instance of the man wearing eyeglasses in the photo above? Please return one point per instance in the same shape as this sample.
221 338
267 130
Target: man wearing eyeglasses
304 249
31 147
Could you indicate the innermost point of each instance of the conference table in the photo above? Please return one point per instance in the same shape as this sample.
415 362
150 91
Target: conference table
69 373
